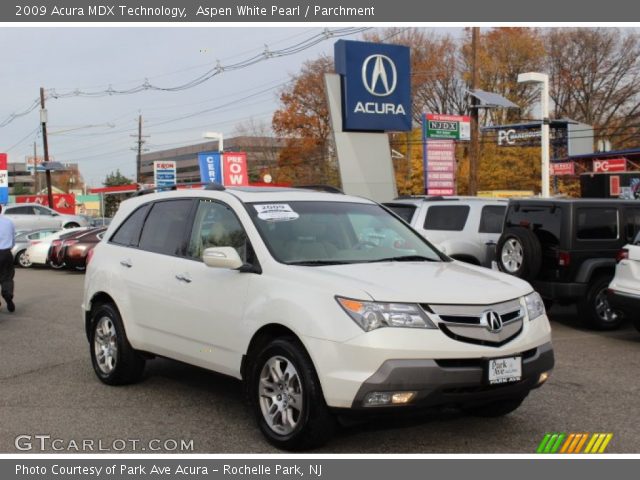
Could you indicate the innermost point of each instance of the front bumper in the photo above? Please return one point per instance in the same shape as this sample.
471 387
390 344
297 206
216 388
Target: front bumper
453 382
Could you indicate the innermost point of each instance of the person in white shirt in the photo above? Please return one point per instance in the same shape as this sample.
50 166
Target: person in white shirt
7 268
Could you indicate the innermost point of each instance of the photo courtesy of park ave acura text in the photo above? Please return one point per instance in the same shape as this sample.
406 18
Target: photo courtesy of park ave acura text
317 228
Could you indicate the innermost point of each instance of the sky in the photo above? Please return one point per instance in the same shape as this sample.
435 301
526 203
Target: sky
99 133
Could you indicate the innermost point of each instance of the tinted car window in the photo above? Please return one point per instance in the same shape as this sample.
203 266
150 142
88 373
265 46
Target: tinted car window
632 225
20 211
128 233
446 217
215 225
636 241
546 221
405 212
42 211
597 223
492 219
165 227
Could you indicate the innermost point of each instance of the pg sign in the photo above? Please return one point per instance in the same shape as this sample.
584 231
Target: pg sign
376 86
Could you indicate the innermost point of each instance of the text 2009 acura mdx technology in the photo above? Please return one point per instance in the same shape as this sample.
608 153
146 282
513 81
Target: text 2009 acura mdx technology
321 303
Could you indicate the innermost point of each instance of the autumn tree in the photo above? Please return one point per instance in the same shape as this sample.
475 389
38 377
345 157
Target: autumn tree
112 202
303 119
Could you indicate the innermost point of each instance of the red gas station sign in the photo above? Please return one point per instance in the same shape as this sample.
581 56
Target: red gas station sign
610 165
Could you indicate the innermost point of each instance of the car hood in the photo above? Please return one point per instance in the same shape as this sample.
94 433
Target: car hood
423 282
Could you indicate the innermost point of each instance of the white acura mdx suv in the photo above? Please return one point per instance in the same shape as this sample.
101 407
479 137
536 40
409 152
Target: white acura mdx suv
284 289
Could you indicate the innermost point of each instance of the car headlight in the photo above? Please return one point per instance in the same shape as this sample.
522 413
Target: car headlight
535 305
372 315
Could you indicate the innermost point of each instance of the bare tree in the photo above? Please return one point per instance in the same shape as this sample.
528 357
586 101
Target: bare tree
595 79
262 147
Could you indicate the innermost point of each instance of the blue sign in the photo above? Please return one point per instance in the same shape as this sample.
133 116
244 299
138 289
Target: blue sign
376 86
210 167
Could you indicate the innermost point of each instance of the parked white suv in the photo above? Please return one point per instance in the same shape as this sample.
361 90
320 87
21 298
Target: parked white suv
33 216
624 289
283 289
465 228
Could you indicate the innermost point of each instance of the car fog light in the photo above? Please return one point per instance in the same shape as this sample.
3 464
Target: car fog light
544 376
375 399
400 398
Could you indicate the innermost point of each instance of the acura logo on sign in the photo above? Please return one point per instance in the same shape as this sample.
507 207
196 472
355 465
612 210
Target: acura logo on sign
491 321
382 78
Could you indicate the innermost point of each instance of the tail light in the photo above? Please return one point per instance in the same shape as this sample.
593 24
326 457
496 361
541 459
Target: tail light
622 255
56 243
564 259
89 256
67 243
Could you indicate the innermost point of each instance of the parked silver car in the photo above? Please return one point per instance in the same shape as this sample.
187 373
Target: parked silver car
33 216
24 239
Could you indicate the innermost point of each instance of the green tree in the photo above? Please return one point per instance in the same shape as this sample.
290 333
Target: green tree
112 202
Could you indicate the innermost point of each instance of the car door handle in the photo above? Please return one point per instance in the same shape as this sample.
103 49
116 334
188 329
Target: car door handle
183 277
126 263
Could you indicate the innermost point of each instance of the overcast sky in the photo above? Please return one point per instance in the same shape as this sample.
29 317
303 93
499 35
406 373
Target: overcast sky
97 132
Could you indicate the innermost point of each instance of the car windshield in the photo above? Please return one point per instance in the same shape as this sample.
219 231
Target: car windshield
333 233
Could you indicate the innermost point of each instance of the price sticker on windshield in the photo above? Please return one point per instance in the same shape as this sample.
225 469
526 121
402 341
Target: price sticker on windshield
276 212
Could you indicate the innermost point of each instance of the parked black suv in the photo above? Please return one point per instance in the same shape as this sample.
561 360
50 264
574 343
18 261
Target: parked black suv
566 248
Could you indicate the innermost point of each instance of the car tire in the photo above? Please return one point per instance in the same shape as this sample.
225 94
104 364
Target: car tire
23 260
519 253
283 365
113 358
495 409
594 309
71 225
55 266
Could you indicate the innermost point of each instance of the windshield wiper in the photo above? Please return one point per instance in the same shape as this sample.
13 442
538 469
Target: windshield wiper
312 263
405 258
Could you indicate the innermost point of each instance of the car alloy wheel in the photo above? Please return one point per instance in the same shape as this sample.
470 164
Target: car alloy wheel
280 391
512 255
603 308
105 345
23 259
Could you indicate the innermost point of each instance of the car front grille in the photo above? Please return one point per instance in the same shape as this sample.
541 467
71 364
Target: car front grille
468 323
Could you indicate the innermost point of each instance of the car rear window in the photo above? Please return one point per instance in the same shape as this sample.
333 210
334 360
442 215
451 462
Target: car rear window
446 217
597 223
128 233
165 227
405 212
544 220
492 218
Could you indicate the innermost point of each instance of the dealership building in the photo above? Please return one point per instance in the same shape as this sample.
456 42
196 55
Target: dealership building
262 155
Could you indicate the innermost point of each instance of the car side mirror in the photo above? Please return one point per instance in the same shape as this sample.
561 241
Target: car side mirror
222 257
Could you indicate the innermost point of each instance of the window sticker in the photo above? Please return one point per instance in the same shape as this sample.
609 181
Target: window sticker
276 212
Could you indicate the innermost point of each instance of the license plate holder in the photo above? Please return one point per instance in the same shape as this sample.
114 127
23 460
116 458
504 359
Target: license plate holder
499 371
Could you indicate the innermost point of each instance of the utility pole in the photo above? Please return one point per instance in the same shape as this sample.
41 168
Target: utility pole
35 167
43 121
474 151
139 143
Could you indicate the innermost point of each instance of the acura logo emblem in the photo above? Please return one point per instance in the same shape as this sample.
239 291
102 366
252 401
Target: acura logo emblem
491 321
381 78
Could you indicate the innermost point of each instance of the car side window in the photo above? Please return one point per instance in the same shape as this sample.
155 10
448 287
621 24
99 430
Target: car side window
632 226
41 211
446 217
216 225
20 211
128 233
492 219
597 223
165 227
405 212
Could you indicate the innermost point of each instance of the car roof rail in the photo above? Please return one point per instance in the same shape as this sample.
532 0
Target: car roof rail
207 186
320 188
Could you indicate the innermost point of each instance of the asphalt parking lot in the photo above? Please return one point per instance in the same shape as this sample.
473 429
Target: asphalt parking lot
47 387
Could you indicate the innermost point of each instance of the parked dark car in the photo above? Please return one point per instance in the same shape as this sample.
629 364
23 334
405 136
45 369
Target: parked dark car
70 250
567 248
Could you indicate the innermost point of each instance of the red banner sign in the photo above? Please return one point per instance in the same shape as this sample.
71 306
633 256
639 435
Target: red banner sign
563 168
610 165
234 168
62 202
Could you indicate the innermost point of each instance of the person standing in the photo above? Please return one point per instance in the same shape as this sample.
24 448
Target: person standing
7 267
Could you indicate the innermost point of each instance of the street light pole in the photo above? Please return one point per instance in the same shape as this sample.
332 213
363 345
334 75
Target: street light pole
43 121
542 78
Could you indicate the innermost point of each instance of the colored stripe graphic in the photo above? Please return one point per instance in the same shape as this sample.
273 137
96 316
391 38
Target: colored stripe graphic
574 442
